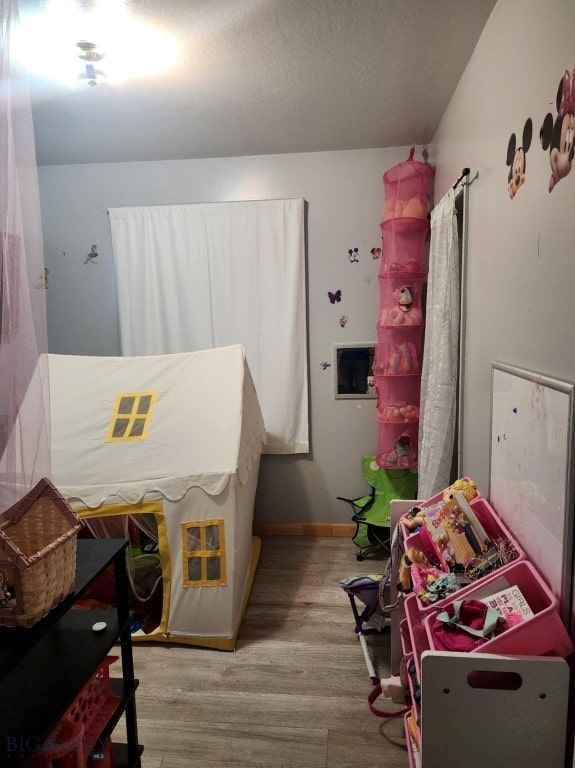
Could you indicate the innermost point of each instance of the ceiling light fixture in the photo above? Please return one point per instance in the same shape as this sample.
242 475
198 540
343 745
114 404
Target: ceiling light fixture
90 57
52 29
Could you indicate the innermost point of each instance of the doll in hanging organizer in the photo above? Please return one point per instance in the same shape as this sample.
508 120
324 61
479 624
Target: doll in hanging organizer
404 454
403 313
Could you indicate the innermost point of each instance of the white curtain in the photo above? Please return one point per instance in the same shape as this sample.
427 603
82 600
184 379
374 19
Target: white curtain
193 277
441 352
24 438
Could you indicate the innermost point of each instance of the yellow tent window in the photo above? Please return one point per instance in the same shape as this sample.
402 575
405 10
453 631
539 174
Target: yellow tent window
203 554
131 416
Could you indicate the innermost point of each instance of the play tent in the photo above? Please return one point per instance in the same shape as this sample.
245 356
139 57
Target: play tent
165 450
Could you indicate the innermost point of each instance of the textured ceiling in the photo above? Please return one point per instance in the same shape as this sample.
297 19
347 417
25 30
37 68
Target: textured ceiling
264 77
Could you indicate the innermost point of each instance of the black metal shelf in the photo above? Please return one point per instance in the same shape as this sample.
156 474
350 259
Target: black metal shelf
122 756
44 668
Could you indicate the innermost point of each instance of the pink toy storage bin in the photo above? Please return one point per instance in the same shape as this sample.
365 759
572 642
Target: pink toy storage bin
439 497
493 525
542 634
403 242
415 540
400 302
494 528
418 639
413 751
405 639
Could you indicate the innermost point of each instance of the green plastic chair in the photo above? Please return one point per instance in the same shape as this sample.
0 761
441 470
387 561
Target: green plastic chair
371 512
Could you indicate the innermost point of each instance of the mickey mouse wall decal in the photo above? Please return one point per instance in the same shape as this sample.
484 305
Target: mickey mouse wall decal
353 255
557 135
516 159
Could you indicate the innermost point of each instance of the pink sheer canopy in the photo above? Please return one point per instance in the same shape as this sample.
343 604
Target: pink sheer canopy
24 434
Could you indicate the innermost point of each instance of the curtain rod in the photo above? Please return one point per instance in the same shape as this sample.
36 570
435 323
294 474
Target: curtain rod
464 172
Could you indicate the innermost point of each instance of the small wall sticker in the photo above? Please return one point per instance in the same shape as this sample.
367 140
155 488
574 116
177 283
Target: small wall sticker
353 255
343 321
43 279
516 159
325 365
334 297
557 135
92 257
375 253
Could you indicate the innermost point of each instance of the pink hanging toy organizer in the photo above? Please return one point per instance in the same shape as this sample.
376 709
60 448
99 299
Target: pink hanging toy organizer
397 365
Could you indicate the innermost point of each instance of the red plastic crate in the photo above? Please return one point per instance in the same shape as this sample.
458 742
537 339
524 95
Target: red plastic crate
82 725
63 749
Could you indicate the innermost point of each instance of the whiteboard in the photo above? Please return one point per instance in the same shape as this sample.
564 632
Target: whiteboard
531 479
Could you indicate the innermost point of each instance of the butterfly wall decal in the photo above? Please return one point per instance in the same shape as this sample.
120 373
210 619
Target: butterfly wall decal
334 297
325 365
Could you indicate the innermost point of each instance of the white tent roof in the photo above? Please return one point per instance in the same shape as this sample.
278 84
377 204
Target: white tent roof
205 424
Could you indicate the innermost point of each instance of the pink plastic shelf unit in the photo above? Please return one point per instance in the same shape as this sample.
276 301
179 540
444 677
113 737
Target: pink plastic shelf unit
543 634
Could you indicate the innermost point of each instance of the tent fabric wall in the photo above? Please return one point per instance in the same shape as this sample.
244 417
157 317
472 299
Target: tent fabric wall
206 424
196 457
213 612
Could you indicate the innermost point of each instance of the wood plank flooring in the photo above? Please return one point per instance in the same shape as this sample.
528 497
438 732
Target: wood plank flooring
294 692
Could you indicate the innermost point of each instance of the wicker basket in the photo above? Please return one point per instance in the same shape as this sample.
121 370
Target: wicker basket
38 537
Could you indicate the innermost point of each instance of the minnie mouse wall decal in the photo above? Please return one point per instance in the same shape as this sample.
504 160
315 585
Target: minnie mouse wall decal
516 159
558 135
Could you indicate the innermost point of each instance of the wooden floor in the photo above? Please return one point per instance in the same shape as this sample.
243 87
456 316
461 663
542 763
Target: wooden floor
292 695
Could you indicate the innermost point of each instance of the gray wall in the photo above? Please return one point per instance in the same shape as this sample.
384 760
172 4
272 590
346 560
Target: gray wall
521 262
345 197
521 251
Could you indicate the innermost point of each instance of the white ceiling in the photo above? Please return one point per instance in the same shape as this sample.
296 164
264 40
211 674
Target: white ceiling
265 77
